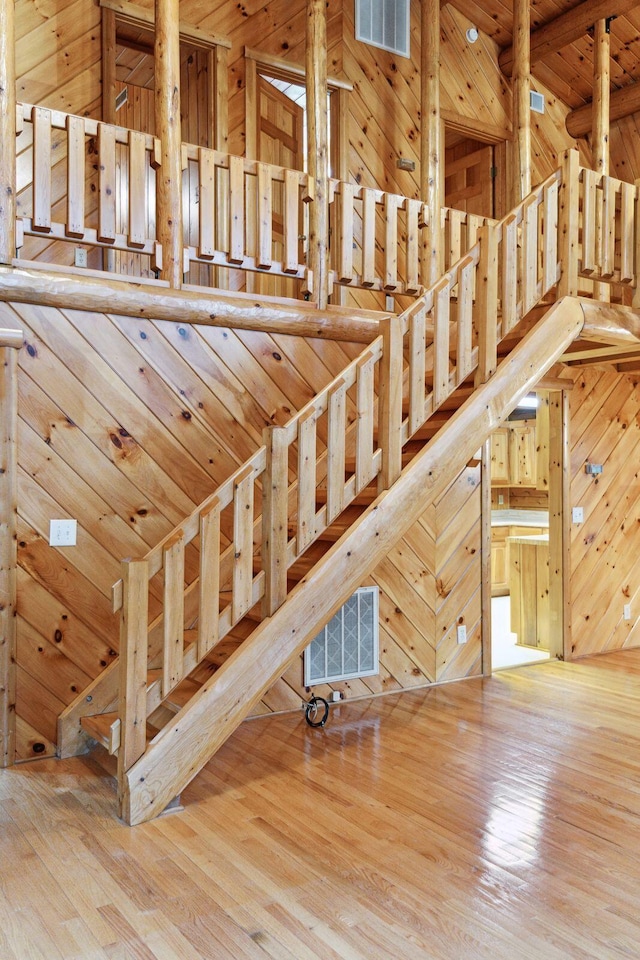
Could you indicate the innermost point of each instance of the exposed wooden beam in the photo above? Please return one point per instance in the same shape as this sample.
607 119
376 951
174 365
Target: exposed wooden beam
149 301
601 96
566 28
168 131
318 147
431 145
521 167
622 103
7 132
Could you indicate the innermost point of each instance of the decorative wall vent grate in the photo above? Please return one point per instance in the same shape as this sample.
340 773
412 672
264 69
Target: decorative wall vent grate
384 23
348 646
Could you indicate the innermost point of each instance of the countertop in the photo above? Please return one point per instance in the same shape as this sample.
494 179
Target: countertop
537 540
519 518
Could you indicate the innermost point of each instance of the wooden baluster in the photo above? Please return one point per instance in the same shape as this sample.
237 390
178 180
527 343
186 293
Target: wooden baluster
413 208
455 218
293 226
364 424
137 189
509 273
173 623
529 255
391 241
487 304
8 131
626 232
209 585
550 239
608 226
106 183
417 369
41 120
336 452
464 344
275 501
569 226
390 402
75 177
441 341
132 707
589 197
306 480
236 204
265 214
207 203
8 540
368 237
345 259
243 499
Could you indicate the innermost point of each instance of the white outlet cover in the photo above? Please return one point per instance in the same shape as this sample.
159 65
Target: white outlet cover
626 611
63 533
461 633
577 514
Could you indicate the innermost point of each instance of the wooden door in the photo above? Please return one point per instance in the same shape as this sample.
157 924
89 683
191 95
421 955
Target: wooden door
469 178
280 141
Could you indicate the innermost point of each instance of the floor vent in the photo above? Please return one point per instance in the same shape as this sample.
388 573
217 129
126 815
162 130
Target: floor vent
348 646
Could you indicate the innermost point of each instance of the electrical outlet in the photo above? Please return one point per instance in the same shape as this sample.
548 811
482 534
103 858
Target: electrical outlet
80 257
626 611
461 632
63 533
336 696
500 499
577 514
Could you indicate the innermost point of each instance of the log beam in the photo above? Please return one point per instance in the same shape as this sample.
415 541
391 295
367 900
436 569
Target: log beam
168 131
10 342
7 132
566 28
601 96
318 147
622 103
151 301
431 145
521 172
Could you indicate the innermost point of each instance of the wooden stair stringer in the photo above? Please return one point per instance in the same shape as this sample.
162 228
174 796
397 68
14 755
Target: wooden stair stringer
181 749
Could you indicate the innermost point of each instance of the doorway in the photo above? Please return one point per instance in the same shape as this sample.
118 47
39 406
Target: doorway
527 532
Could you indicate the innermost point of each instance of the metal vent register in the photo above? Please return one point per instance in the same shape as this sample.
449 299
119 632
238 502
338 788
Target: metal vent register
348 646
384 23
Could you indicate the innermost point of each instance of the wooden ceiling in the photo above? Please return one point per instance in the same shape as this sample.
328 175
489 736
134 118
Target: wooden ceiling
568 73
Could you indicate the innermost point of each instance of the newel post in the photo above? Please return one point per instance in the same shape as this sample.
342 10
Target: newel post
7 132
318 148
275 501
132 707
169 132
10 343
390 402
568 224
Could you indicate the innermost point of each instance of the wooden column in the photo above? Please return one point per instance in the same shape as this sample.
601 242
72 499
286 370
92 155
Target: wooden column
318 147
431 145
600 130
485 559
10 342
7 132
521 172
167 121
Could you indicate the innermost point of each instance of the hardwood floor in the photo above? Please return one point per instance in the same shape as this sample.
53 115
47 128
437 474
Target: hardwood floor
496 818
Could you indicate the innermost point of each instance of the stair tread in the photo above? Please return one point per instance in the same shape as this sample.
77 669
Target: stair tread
100 728
181 694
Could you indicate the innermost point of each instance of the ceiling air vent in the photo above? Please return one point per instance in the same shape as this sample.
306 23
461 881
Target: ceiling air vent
348 645
384 23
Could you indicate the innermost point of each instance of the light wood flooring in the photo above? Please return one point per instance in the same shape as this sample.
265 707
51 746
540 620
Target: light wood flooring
486 819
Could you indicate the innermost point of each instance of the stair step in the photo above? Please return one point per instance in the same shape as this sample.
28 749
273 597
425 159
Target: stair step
104 728
180 695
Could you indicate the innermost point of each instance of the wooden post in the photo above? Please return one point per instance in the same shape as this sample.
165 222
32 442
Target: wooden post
318 147
390 403
521 173
168 130
275 499
132 708
485 557
568 225
10 342
431 146
7 133
559 526
600 133
487 304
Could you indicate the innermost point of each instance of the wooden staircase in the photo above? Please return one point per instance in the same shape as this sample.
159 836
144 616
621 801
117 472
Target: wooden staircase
285 541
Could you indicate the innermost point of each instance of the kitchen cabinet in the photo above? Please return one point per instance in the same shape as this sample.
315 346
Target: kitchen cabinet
529 589
500 559
514 455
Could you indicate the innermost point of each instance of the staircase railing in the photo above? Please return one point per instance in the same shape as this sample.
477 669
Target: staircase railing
257 524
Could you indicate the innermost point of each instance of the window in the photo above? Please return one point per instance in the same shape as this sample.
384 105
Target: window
384 23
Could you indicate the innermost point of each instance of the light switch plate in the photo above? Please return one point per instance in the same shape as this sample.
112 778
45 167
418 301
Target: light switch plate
462 633
577 514
63 533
